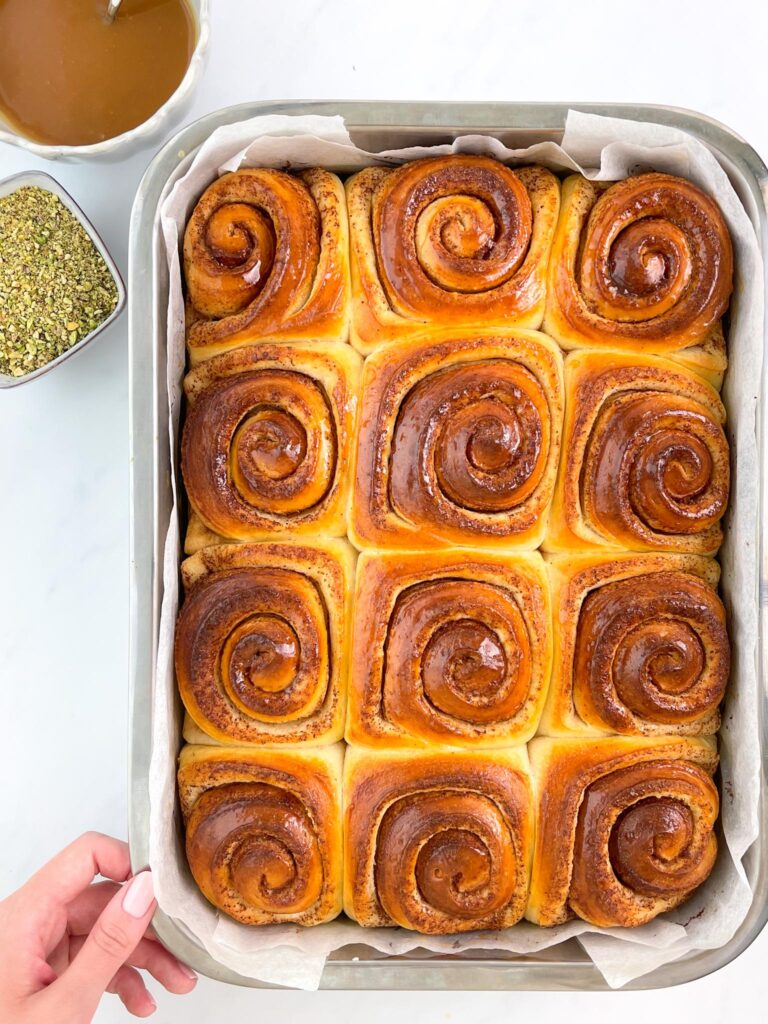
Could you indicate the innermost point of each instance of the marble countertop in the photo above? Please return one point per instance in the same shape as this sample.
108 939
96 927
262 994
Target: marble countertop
64 453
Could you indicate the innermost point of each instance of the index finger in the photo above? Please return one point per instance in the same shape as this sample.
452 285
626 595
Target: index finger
71 870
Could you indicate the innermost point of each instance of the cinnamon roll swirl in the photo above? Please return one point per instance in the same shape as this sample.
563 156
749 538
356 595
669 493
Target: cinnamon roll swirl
266 257
263 831
262 642
644 265
266 441
625 828
648 460
450 647
459 440
450 240
642 646
437 842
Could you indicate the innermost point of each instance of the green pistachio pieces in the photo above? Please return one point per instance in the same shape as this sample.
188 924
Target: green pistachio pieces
55 288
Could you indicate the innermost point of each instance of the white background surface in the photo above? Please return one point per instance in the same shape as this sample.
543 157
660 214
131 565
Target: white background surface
64 442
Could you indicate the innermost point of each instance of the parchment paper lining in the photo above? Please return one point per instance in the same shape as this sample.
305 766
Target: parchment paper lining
604 149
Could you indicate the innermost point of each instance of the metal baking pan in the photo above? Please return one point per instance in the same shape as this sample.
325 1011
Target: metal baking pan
378 126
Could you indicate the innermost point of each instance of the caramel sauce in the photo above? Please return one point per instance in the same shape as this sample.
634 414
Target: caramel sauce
68 77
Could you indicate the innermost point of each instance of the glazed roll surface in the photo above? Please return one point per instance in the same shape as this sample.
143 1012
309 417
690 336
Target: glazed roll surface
266 257
452 240
437 842
450 647
263 831
527 735
641 646
267 441
459 441
262 642
641 265
648 465
625 827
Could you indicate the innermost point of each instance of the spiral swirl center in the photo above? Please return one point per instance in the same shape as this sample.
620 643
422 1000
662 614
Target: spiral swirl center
258 443
657 831
452 864
252 647
489 451
270 443
656 463
253 845
261 869
654 259
467 659
240 235
447 855
673 471
452 232
669 654
261 654
481 460
649 265
644 840
458 656
448 233
471 438
652 646
493 443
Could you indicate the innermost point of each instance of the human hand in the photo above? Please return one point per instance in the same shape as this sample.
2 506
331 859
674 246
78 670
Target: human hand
66 940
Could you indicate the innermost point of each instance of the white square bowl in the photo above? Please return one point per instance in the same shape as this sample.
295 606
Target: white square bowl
42 180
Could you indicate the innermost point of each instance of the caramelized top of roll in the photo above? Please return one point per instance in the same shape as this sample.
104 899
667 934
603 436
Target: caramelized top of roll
450 240
657 459
625 827
437 841
647 260
263 831
460 434
652 646
266 256
450 227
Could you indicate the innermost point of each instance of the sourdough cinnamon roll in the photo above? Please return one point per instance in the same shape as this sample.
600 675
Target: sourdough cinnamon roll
450 647
266 441
262 642
458 442
450 240
648 459
642 265
437 842
641 646
266 257
263 831
625 828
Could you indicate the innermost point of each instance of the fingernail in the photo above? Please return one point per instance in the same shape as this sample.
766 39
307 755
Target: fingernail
187 972
139 895
152 1002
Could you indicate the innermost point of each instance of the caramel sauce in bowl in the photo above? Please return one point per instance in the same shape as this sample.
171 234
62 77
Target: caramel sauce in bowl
73 85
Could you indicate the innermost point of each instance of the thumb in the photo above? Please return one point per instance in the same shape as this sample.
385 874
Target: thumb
114 936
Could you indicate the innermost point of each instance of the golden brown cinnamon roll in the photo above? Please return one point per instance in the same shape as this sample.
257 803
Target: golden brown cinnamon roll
266 256
648 460
267 439
458 442
437 842
262 642
450 240
644 265
450 647
624 827
641 646
263 831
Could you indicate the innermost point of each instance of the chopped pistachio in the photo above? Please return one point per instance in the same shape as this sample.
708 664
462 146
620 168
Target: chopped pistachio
55 288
